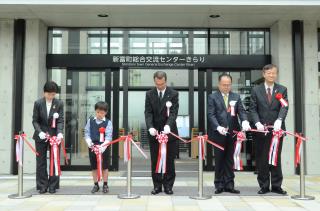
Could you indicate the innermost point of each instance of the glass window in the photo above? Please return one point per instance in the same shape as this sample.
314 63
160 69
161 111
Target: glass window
142 77
78 41
235 42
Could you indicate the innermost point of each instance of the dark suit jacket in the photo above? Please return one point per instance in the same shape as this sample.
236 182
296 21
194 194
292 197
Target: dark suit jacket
43 123
156 113
262 111
218 114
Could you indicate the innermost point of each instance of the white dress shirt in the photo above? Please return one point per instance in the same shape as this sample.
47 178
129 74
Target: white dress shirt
163 91
48 104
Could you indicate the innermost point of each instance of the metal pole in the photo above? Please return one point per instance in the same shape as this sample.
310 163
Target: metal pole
200 195
20 194
129 195
302 195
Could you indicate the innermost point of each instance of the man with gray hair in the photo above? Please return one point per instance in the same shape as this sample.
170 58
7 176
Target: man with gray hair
161 110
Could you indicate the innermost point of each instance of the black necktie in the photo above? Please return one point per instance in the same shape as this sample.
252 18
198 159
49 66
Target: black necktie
160 96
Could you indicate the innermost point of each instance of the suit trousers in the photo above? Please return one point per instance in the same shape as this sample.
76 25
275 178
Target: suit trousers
224 173
42 179
267 172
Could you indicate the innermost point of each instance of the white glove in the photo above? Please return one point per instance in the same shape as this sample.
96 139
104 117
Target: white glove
42 135
277 125
60 136
102 149
166 129
260 126
223 131
245 125
89 142
152 131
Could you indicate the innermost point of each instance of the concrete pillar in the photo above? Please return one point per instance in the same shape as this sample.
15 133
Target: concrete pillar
311 83
281 51
6 91
35 75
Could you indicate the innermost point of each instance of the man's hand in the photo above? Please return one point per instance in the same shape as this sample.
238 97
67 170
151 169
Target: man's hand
166 129
102 149
223 131
89 142
245 125
152 131
60 136
277 125
42 135
260 126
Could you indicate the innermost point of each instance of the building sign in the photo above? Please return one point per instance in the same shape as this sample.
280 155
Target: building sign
156 61
159 61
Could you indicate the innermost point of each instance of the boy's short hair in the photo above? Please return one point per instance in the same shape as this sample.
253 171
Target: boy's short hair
101 106
50 86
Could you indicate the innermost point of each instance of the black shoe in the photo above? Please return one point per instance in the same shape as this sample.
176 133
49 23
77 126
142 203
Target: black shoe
279 191
168 191
218 190
42 191
95 189
105 189
52 190
156 191
263 191
231 190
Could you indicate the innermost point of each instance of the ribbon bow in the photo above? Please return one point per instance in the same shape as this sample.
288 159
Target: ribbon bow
55 154
162 154
274 147
241 137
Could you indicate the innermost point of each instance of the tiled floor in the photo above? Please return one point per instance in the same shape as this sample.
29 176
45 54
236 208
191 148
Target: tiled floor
8 185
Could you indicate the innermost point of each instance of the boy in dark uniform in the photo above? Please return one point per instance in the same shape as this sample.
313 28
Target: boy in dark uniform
94 127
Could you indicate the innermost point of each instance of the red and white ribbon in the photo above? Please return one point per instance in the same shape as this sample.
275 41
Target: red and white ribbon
20 139
274 147
283 102
298 152
202 140
162 154
102 131
168 105
54 118
54 155
238 165
127 152
299 143
126 148
232 105
206 140
97 151
19 148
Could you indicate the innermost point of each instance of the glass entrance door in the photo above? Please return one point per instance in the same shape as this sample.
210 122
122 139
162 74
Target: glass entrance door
80 90
83 90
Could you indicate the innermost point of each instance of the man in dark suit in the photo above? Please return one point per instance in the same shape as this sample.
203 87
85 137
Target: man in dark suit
47 118
158 101
224 109
265 109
